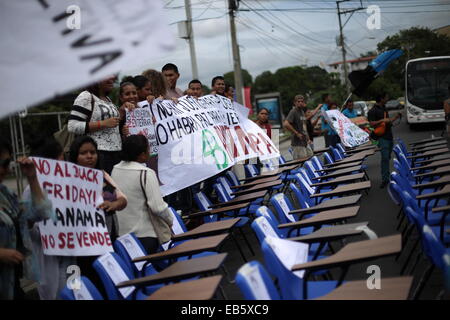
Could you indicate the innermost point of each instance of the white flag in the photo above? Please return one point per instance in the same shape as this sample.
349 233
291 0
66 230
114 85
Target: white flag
50 47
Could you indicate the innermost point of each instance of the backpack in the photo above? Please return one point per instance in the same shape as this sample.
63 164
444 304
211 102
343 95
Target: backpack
65 138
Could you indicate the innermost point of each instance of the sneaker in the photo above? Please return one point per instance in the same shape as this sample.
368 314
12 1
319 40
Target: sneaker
383 184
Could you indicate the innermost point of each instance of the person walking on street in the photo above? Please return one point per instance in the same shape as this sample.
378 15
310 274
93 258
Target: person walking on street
296 123
379 119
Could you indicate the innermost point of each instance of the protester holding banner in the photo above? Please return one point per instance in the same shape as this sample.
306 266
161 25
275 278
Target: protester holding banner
146 215
348 110
263 121
93 113
297 124
52 275
158 83
331 138
170 72
218 86
229 91
83 152
15 216
195 88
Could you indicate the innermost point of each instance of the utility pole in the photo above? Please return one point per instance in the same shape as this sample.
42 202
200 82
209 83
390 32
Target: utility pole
232 6
190 34
341 38
342 43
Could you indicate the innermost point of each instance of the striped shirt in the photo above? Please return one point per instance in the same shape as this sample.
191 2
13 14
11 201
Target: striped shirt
108 139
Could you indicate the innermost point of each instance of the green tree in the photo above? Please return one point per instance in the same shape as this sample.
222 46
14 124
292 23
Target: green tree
416 42
246 78
308 81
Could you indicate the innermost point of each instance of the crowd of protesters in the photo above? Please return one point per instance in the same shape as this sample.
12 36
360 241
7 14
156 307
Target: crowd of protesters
104 143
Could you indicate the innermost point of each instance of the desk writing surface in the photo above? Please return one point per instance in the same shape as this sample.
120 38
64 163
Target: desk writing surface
351 187
330 204
187 248
207 229
338 173
201 289
258 181
391 289
438 171
429 153
338 180
258 187
328 216
332 233
441 181
356 252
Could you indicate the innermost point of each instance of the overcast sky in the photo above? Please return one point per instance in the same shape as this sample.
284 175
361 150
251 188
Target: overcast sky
282 33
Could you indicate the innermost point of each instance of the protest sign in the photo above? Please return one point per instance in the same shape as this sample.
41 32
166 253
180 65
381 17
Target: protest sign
140 121
66 44
351 135
75 192
199 138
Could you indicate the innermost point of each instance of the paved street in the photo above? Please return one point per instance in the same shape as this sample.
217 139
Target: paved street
377 208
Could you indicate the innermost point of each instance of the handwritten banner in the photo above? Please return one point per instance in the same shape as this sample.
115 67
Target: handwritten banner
75 192
199 138
351 135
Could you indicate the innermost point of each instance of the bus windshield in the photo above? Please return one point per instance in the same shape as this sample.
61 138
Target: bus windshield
427 83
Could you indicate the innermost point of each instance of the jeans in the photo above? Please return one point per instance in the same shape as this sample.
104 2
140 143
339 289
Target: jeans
386 147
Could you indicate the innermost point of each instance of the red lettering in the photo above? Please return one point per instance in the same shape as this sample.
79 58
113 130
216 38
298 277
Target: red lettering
74 194
42 166
70 243
58 190
243 139
58 171
62 240
93 238
100 238
227 140
268 144
254 141
86 239
83 196
51 240
79 239
67 192
94 178
47 186
44 241
66 171
108 239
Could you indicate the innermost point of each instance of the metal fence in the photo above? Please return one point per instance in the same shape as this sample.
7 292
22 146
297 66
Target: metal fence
18 138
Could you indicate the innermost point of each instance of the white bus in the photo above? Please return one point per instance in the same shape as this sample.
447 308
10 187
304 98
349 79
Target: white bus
426 88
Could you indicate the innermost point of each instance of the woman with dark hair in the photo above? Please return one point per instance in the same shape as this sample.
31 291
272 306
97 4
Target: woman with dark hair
93 113
147 215
83 152
263 121
15 217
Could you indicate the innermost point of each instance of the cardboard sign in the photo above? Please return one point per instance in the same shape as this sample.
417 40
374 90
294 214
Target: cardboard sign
75 192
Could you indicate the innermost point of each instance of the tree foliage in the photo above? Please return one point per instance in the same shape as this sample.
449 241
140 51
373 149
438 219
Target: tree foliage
416 42
246 78
308 81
